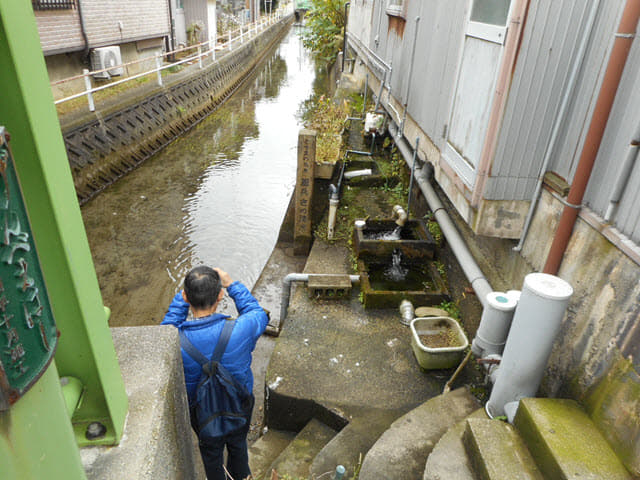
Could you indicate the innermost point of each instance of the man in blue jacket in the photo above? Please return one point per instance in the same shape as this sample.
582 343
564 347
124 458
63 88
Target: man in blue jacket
203 290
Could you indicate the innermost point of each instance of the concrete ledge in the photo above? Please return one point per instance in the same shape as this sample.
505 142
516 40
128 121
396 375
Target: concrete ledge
497 452
402 451
565 442
157 440
448 459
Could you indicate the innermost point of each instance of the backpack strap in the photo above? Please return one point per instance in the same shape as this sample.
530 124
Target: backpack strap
198 356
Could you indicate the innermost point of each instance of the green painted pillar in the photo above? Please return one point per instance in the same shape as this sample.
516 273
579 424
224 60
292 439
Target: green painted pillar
36 437
85 348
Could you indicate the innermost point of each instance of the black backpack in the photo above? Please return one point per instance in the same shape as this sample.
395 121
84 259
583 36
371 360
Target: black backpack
222 405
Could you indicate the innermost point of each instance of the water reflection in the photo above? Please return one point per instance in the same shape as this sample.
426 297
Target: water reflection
216 196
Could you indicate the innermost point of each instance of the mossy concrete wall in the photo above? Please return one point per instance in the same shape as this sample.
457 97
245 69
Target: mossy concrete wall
157 441
596 357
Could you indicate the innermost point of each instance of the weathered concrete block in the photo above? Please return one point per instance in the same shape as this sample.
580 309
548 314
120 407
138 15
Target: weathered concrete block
565 443
157 440
402 451
497 452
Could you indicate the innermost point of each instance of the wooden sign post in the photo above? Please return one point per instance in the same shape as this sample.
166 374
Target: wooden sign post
304 191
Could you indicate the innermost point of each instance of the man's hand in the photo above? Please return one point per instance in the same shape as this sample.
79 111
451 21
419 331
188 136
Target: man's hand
225 279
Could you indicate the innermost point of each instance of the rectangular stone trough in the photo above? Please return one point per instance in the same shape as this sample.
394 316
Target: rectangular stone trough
423 285
415 240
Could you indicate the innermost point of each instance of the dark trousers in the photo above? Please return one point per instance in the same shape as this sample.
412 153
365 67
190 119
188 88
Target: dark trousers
212 451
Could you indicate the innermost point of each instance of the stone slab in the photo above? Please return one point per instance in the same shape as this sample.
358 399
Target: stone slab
351 444
402 451
157 440
565 442
497 452
295 460
448 460
266 449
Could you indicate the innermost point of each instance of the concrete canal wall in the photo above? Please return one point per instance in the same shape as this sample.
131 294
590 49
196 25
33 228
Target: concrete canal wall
104 145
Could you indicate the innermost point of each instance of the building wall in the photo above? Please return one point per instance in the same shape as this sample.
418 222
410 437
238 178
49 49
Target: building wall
119 21
106 23
195 12
549 46
59 30
623 127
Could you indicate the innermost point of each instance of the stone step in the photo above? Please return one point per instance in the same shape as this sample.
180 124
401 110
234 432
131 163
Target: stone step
295 460
266 449
352 443
401 452
564 441
448 459
497 452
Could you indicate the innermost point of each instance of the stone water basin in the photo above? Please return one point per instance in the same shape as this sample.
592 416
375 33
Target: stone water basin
385 283
413 240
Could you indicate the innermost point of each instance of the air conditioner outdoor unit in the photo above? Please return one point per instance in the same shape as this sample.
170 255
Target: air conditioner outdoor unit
109 58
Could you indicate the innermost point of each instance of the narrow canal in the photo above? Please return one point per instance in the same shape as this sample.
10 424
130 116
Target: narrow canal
216 196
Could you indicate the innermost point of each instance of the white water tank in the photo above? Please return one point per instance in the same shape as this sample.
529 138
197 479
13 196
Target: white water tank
536 323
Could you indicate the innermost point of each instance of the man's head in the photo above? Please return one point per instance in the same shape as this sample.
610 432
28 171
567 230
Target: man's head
202 288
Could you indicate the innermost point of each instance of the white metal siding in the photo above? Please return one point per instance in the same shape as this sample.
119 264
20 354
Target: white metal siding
549 45
624 119
438 44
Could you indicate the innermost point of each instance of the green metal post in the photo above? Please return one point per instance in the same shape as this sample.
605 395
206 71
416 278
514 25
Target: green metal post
36 438
85 348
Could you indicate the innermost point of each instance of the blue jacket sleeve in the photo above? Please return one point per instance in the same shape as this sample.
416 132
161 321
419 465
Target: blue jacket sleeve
248 307
177 312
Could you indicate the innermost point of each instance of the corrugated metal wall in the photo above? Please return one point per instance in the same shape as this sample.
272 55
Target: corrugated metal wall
195 11
550 42
440 35
624 120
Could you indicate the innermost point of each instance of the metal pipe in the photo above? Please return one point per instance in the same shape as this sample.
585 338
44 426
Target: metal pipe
364 101
413 173
468 264
413 56
344 35
384 79
615 67
399 212
559 120
301 277
623 176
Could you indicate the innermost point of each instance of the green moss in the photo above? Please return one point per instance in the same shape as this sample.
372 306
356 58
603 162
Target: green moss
613 406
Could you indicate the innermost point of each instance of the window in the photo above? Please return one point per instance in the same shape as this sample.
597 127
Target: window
396 8
53 4
492 12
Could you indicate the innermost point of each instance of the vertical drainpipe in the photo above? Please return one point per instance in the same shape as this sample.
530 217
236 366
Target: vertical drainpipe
511 49
83 30
615 67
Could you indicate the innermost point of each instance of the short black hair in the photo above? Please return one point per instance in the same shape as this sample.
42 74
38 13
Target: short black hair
202 286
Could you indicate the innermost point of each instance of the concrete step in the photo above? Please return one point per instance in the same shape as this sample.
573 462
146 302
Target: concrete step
497 452
352 443
401 452
448 459
564 441
295 460
266 449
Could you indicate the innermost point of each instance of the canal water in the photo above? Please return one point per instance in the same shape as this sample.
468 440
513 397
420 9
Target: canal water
216 196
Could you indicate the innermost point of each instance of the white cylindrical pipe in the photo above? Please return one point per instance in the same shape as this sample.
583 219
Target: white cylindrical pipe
494 324
333 208
536 323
